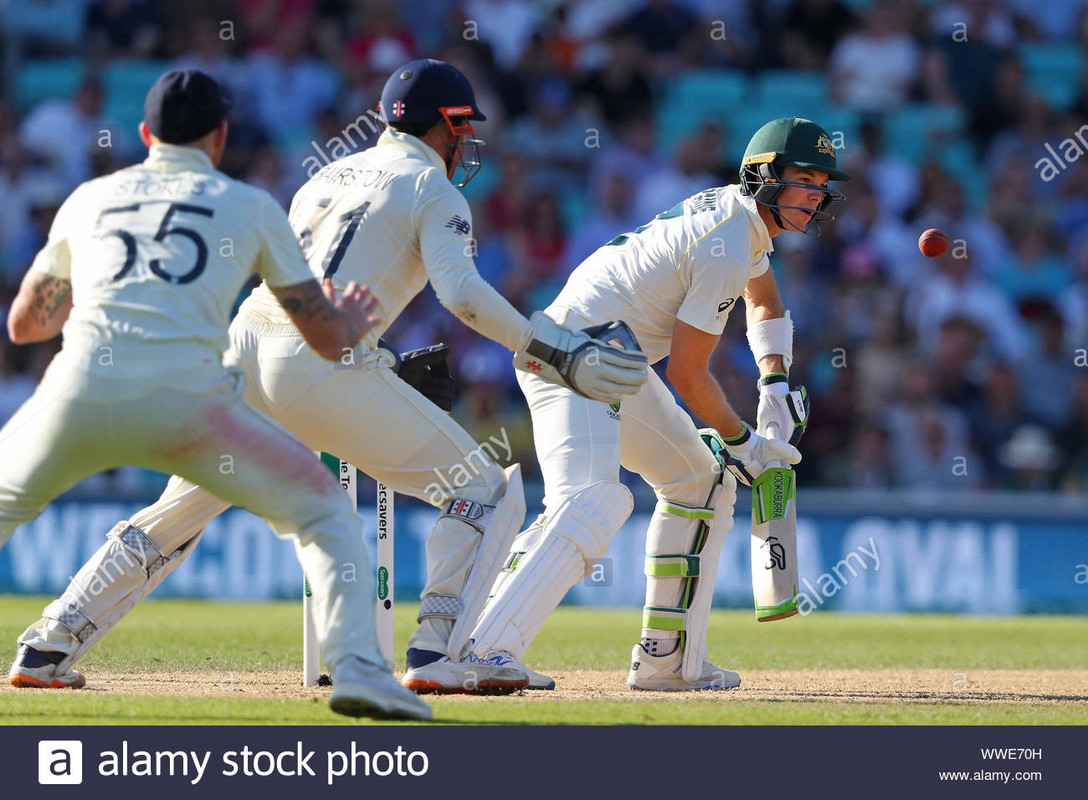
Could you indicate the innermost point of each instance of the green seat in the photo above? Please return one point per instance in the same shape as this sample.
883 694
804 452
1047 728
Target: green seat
41 79
918 130
1053 71
795 92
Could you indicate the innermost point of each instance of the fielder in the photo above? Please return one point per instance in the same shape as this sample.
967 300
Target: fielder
389 217
674 281
136 273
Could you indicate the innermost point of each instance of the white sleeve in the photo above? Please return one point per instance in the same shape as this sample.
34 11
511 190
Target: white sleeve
55 258
445 239
719 267
280 261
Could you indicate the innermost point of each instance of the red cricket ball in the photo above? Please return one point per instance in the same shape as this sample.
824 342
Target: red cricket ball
933 243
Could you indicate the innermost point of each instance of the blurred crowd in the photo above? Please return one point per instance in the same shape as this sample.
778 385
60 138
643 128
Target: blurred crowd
968 371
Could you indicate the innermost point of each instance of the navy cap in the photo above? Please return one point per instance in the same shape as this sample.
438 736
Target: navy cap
184 105
426 91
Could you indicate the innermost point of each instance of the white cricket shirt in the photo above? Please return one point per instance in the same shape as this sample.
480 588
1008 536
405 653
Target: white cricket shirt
389 218
690 263
157 253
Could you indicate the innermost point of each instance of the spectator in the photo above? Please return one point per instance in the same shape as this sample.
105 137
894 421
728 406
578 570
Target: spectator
61 132
896 176
621 87
955 363
290 87
536 247
929 440
869 465
123 28
692 171
19 184
209 50
633 154
558 140
382 41
1046 374
613 212
994 417
1032 270
506 25
880 363
810 31
956 290
662 28
1074 303
876 68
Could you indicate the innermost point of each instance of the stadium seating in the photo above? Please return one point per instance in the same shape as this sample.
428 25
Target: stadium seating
1054 71
44 78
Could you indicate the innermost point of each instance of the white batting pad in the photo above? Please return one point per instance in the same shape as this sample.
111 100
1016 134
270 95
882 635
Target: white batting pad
498 537
574 538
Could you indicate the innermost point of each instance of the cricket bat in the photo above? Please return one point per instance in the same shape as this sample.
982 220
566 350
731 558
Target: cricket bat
774 540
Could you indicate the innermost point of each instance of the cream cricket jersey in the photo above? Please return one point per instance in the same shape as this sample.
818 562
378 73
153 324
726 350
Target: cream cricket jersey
157 253
690 263
389 218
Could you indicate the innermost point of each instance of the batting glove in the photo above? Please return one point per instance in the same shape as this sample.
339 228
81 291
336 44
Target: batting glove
785 408
750 454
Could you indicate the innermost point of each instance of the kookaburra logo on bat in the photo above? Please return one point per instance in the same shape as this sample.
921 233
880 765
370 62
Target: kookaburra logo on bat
777 553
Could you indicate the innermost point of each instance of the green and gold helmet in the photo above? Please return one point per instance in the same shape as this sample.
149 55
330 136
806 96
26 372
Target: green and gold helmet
790 142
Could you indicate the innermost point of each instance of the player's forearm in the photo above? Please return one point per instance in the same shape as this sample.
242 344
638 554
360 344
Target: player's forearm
328 331
704 396
762 302
476 303
41 308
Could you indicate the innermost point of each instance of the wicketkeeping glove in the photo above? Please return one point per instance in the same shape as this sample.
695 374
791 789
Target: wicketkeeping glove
750 454
602 362
781 406
427 371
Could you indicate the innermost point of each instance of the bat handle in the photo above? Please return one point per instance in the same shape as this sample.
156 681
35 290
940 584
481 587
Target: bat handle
772 433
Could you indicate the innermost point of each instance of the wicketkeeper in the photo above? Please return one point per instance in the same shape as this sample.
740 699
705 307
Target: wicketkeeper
389 218
674 282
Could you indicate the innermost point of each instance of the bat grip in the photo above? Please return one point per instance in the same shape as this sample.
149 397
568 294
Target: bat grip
772 433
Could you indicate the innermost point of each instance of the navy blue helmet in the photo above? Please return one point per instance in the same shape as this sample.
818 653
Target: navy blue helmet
426 92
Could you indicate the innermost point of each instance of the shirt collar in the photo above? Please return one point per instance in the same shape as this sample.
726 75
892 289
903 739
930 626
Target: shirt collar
413 146
178 158
749 203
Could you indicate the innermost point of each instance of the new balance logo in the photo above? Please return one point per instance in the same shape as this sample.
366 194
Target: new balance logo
459 226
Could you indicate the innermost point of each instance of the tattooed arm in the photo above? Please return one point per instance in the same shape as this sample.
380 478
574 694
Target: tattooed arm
40 309
331 325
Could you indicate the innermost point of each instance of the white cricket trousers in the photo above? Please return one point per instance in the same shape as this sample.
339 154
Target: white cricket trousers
361 412
580 441
194 422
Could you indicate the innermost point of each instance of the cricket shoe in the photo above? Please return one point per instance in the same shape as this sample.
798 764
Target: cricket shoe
37 669
430 672
362 689
501 658
665 673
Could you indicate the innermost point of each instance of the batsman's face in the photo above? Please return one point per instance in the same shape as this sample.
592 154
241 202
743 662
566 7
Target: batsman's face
798 201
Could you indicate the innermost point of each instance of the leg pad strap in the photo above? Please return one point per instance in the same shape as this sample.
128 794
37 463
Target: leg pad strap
81 626
440 606
150 557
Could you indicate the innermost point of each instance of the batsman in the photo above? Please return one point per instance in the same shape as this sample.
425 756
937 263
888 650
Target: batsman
673 281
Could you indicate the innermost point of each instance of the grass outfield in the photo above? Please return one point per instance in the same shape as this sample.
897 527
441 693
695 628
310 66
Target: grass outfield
192 662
